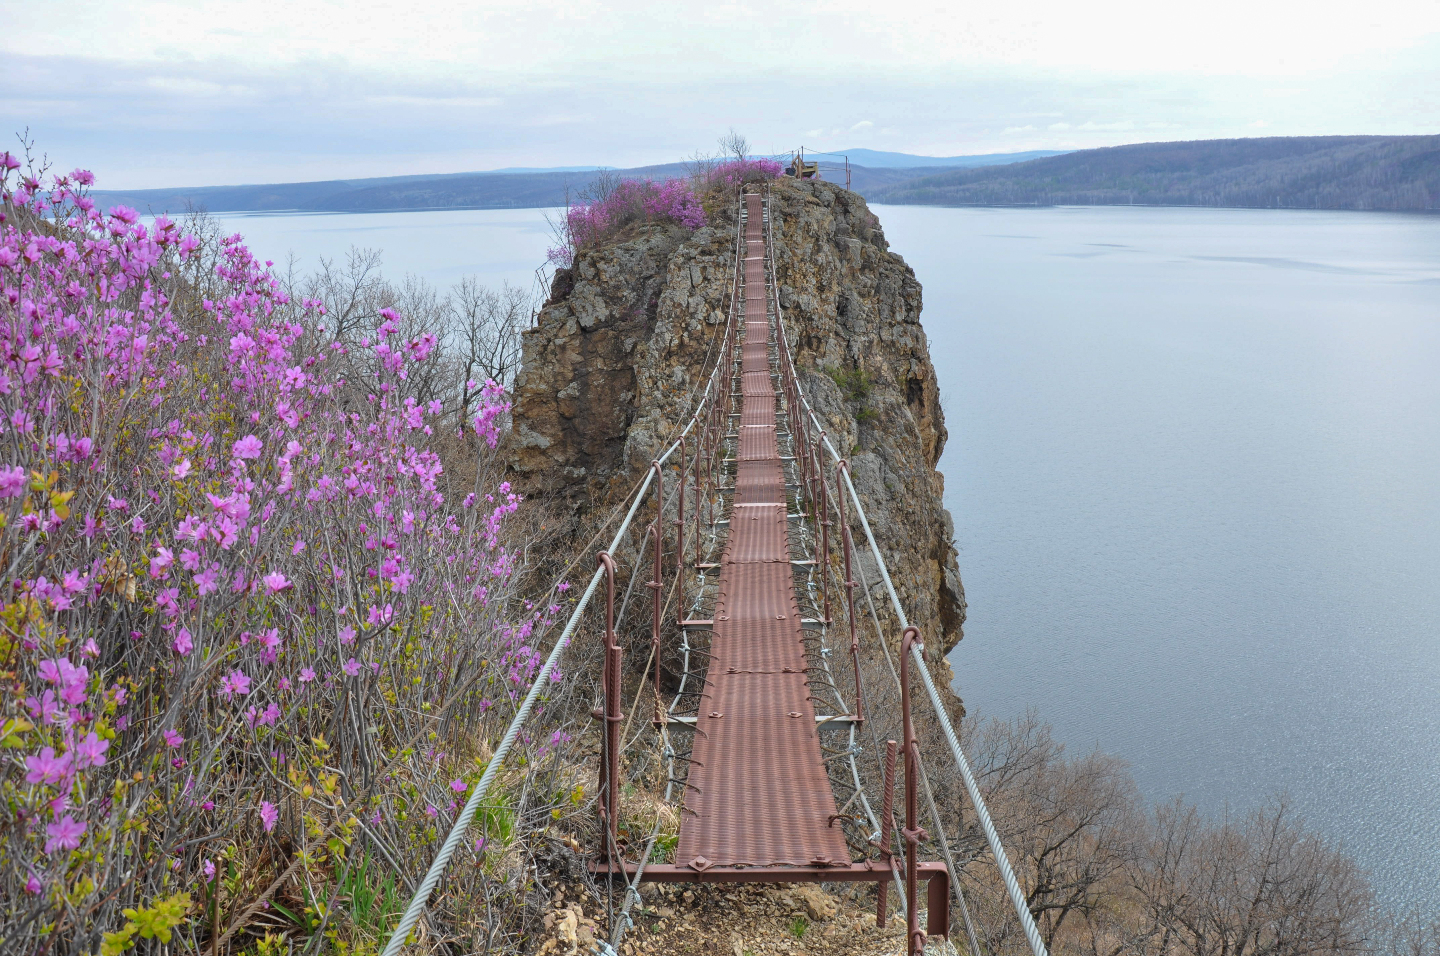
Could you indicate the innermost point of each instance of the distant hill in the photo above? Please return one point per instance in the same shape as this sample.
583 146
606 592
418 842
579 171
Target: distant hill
496 189
1325 172
1309 172
877 159
513 187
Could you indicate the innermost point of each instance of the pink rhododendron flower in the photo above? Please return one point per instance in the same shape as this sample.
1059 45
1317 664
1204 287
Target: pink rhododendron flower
45 767
235 682
269 815
90 752
173 738
160 564
247 447
64 834
12 482
183 644
352 667
276 582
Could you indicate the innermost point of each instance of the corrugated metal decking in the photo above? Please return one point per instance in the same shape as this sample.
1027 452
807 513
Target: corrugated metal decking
759 792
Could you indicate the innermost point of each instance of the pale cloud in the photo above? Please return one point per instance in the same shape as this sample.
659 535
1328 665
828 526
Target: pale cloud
202 91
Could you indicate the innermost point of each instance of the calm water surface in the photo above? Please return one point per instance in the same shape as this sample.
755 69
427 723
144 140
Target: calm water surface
495 245
1194 465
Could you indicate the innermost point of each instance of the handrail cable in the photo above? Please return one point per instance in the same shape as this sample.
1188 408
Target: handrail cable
992 836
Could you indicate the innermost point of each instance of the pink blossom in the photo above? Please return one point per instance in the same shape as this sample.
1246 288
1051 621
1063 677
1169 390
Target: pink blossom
183 643
160 564
173 738
235 682
45 767
247 447
90 752
307 674
269 815
64 834
352 667
207 580
458 785
12 482
276 582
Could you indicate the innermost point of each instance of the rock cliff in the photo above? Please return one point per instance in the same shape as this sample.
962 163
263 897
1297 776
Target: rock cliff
611 369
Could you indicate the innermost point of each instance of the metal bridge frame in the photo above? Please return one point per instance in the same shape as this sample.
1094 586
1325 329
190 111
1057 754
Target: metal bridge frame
811 485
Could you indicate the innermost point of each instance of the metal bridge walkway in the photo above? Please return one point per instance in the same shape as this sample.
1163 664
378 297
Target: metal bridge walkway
759 793
759 805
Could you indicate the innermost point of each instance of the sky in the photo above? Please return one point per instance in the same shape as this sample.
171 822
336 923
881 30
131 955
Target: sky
152 94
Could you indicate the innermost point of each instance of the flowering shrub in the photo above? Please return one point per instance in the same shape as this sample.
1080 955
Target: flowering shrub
617 203
243 607
730 175
621 203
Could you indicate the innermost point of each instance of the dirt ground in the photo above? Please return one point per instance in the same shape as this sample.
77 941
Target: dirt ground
737 920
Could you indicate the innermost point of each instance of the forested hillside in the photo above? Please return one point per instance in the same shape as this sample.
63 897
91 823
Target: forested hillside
1311 172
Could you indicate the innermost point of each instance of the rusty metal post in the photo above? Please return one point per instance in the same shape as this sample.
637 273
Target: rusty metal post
609 790
912 833
680 536
825 539
847 548
700 442
656 586
817 478
657 568
887 823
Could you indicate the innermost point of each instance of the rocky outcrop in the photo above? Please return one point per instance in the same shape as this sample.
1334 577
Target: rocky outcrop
624 344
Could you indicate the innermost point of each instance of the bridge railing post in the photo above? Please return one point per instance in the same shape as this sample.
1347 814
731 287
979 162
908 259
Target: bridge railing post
912 833
610 714
847 548
680 537
824 510
887 823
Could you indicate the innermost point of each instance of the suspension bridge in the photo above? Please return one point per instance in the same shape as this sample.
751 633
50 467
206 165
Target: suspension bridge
762 717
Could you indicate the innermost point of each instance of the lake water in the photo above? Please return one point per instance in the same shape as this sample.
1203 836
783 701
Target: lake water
1194 465
494 245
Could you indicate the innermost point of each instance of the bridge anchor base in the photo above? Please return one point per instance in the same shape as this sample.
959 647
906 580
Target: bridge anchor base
937 915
